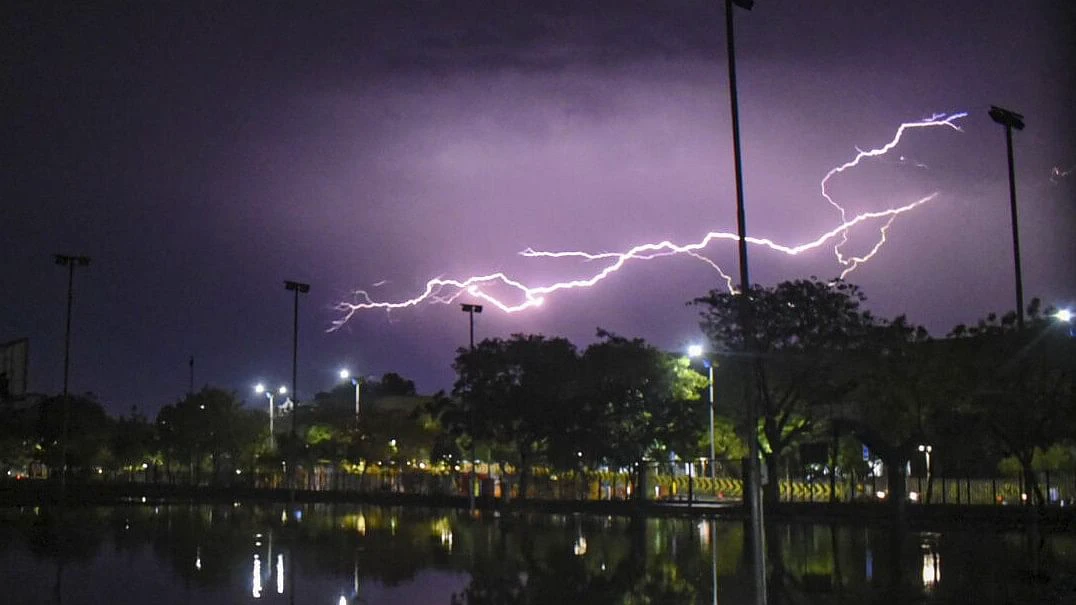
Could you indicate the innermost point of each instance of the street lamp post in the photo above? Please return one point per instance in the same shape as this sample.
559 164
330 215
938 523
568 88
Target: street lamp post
1011 119
471 309
754 494
283 390
696 351
70 262
298 288
356 381
925 450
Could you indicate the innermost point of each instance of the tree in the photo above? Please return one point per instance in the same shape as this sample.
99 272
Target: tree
639 401
1018 385
802 332
210 424
516 393
88 433
134 442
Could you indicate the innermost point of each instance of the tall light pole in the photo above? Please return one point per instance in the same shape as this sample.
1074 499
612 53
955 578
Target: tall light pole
283 390
696 351
356 381
70 262
1011 119
754 495
298 288
471 309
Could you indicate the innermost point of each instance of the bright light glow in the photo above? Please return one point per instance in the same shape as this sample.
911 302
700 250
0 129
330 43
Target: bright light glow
342 600
580 547
282 390
256 578
913 496
1064 315
880 494
931 569
344 375
445 291
198 558
259 388
280 574
694 351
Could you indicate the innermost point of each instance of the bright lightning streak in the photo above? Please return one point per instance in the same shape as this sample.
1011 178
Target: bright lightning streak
445 291
850 264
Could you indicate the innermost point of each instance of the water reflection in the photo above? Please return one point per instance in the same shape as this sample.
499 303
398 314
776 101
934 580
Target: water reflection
349 554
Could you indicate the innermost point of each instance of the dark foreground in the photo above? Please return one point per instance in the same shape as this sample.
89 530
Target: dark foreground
335 553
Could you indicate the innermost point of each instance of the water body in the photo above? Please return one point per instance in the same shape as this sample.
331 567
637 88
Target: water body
341 554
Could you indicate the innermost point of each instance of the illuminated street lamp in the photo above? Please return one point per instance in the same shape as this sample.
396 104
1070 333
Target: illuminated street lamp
283 390
925 450
345 374
1063 315
70 262
696 351
1010 120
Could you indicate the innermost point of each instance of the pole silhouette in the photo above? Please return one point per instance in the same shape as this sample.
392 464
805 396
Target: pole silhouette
70 262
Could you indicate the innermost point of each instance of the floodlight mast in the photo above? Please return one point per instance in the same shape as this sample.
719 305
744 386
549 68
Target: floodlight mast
1012 120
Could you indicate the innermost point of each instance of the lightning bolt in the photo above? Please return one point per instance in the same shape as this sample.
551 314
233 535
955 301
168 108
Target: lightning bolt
851 263
440 290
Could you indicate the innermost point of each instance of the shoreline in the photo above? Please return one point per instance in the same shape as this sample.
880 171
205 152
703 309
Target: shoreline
917 516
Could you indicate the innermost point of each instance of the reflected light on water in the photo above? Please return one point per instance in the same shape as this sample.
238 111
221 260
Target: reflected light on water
703 528
580 547
280 574
443 528
256 578
931 569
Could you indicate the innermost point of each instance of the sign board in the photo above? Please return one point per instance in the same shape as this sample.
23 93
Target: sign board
14 361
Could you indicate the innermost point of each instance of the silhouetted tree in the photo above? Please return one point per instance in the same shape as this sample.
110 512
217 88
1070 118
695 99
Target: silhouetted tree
802 333
638 401
1018 385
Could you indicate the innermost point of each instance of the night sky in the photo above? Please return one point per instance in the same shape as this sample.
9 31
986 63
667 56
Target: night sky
201 156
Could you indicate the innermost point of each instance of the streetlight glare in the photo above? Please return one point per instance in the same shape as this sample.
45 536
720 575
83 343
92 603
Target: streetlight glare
1064 315
344 374
259 388
694 351
283 390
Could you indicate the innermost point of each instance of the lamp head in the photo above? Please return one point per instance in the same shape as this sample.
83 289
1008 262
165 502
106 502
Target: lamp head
1007 117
